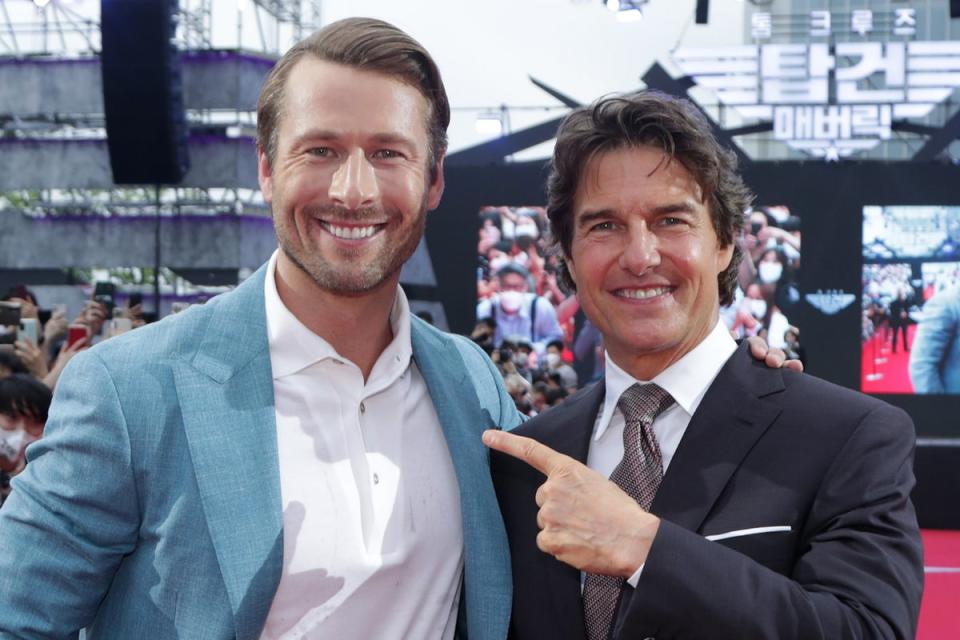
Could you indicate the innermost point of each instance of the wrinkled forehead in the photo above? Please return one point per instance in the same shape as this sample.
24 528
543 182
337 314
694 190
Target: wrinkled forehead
599 164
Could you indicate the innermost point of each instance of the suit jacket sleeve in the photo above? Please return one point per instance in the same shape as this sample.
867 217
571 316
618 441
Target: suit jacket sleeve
935 333
858 571
490 390
72 514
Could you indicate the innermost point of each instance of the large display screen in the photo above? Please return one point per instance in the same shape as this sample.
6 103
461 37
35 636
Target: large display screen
911 300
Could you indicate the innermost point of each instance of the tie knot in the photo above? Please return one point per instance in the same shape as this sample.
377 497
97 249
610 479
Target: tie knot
644 402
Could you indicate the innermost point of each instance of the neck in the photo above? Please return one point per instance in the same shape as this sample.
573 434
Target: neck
648 365
357 326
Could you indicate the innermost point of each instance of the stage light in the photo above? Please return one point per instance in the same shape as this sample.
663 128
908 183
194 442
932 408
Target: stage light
41 3
626 10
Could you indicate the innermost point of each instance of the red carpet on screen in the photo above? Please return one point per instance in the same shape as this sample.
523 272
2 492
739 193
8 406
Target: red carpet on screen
940 611
882 370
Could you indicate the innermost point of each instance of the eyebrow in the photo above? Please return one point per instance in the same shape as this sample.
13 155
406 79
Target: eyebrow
379 138
588 216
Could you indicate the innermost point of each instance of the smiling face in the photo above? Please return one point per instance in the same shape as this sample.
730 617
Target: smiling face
645 258
349 186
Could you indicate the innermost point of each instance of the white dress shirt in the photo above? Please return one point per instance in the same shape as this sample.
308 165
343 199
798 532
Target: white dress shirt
687 380
372 535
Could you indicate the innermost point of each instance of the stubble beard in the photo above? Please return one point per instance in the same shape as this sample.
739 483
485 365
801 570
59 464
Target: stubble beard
360 278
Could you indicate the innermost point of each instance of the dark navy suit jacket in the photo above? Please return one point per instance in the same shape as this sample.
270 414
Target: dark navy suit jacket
766 448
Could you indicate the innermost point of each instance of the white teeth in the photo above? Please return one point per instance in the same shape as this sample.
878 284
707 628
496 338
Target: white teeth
351 233
640 294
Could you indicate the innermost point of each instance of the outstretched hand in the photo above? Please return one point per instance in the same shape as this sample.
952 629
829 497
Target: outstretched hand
585 520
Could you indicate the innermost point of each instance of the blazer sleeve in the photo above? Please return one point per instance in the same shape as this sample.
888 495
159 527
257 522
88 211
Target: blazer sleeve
488 383
931 344
858 571
73 512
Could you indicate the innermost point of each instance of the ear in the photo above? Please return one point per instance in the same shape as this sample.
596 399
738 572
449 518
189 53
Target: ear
724 256
435 190
571 270
264 175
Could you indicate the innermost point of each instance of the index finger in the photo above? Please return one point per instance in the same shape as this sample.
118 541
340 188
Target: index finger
539 456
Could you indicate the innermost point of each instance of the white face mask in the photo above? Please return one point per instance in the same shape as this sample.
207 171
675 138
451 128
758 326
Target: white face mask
520 359
757 307
553 360
11 443
510 301
770 271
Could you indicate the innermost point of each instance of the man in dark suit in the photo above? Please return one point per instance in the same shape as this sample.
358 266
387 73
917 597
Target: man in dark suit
742 501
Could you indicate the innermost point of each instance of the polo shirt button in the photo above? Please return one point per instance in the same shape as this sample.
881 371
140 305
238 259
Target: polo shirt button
363 408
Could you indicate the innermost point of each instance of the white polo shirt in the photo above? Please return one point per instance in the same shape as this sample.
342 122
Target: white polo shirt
372 540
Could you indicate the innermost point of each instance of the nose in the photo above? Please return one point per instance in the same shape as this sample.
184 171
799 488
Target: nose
354 184
641 251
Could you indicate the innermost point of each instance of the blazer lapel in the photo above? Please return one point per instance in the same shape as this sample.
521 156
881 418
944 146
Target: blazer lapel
567 430
487 580
226 397
729 420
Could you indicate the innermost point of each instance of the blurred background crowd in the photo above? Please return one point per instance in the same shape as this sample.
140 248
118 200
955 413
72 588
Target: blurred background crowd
36 343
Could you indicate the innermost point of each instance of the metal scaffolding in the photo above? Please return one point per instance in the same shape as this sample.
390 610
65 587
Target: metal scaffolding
55 27
52 30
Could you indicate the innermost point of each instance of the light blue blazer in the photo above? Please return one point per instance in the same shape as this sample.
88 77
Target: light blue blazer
152 508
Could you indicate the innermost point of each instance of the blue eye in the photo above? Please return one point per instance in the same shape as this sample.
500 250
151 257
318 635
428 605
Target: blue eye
322 152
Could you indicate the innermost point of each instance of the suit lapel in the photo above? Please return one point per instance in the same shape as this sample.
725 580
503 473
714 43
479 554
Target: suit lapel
487 582
226 396
726 425
567 429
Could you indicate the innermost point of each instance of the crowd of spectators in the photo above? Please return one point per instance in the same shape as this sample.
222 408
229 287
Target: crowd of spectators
767 290
35 346
525 321
911 232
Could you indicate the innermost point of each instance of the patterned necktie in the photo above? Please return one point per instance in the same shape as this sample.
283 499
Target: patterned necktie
638 474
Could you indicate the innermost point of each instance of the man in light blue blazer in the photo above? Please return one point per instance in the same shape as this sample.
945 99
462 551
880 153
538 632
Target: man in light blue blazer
156 505
935 359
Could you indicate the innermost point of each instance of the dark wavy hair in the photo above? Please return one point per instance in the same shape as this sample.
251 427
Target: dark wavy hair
370 45
654 119
23 395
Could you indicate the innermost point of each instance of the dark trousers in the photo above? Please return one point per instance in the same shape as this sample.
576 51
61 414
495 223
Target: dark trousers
898 328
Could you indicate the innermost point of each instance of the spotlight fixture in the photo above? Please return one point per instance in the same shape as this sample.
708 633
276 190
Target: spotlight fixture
626 10
41 4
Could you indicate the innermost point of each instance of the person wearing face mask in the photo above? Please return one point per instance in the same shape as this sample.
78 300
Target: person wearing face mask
553 362
770 267
774 270
518 312
24 402
761 306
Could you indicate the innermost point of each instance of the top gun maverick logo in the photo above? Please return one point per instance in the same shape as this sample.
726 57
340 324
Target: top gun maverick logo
830 101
